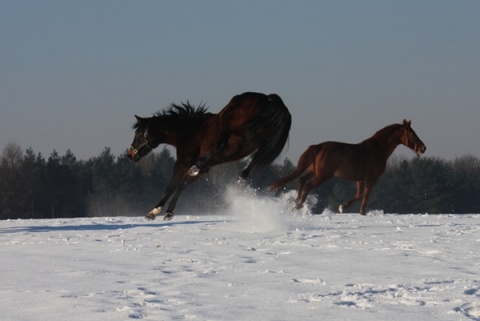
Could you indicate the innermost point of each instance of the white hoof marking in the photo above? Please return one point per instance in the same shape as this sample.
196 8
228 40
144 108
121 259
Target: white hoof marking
153 213
193 171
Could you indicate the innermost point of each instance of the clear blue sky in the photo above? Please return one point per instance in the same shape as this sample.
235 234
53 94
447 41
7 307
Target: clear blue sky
73 73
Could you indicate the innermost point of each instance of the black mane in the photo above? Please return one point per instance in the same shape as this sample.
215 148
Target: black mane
184 109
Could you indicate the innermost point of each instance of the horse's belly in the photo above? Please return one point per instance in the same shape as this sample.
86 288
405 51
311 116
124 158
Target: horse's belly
350 174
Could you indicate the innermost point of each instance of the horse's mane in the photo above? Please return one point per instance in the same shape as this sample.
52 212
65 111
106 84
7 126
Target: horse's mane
177 111
183 109
383 133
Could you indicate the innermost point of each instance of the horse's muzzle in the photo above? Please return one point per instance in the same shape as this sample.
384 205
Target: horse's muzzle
420 150
133 154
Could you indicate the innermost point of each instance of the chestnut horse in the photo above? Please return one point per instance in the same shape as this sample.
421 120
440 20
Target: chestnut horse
251 124
364 162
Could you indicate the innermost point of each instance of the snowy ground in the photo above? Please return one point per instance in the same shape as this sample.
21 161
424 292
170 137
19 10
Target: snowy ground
256 261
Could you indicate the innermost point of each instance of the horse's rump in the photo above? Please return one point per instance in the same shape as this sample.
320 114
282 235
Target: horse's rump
258 120
306 160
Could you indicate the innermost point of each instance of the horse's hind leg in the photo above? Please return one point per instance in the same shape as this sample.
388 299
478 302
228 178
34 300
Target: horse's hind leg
303 189
309 182
366 195
360 185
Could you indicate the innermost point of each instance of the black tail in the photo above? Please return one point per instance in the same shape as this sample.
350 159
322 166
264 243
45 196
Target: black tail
277 121
307 158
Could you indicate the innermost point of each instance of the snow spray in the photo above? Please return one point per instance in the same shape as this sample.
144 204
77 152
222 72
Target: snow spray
259 212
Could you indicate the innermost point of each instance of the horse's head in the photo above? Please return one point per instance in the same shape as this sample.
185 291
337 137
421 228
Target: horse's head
142 142
410 139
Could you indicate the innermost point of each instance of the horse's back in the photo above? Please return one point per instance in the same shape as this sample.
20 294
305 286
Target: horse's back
353 161
252 108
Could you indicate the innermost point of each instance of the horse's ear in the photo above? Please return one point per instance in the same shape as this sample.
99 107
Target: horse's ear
407 123
139 119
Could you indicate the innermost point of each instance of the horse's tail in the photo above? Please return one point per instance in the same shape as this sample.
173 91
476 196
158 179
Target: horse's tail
277 121
284 180
305 160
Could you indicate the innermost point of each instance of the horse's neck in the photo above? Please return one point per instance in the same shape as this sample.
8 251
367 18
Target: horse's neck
177 130
168 131
385 145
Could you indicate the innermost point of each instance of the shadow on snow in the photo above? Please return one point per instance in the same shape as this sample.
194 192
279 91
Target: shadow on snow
96 226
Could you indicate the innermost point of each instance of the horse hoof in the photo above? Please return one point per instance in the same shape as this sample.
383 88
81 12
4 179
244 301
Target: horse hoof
340 209
153 213
297 207
150 216
193 171
168 216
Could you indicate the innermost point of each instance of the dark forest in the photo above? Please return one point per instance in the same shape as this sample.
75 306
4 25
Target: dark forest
61 186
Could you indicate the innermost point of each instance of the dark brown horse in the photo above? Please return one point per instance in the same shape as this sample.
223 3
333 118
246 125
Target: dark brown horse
364 162
251 124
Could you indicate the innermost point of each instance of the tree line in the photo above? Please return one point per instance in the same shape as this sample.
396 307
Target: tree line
62 186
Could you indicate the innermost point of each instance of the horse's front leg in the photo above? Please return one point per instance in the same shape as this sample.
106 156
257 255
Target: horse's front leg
187 180
207 159
176 180
158 208
357 196
173 202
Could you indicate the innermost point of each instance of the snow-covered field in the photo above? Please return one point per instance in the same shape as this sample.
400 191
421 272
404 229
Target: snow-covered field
255 261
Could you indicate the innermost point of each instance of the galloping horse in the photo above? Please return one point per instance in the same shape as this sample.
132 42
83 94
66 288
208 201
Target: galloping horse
364 162
251 124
